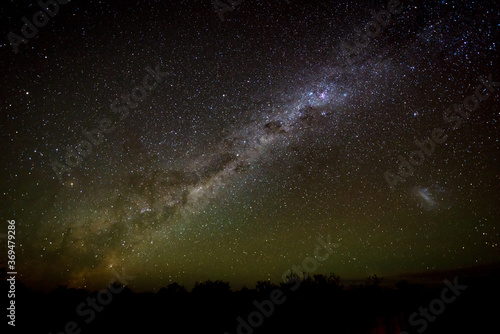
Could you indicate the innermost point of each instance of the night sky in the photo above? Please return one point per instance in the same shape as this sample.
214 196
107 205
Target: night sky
258 136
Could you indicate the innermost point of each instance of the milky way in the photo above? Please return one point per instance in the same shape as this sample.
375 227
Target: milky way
261 139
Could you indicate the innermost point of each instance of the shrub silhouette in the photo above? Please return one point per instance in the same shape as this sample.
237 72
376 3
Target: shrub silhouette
209 287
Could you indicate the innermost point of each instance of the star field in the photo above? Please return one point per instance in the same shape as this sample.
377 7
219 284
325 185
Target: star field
261 138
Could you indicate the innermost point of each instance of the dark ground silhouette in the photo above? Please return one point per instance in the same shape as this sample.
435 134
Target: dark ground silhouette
317 304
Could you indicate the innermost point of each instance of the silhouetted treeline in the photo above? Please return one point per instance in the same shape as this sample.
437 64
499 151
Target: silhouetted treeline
302 305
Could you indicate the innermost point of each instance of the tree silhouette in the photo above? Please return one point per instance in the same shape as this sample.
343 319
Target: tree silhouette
173 289
212 288
373 281
264 286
